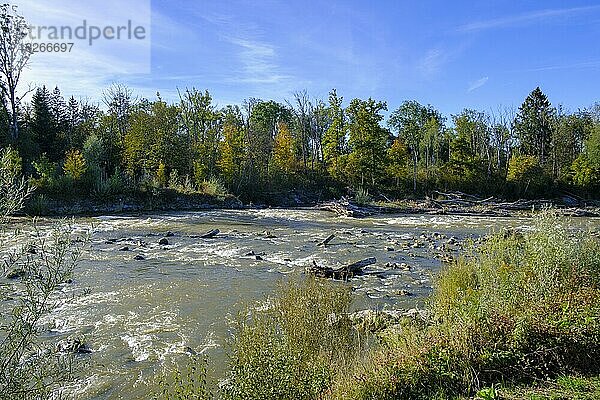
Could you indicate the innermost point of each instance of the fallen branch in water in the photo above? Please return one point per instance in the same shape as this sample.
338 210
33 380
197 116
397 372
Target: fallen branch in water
342 273
326 241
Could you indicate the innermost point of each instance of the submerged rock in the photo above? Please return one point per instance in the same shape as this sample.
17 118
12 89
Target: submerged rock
163 242
74 345
139 257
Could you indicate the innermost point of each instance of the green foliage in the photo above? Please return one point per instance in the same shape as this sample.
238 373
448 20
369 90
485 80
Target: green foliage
334 139
191 386
362 196
527 176
568 137
202 124
283 151
368 140
522 307
213 187
161 175
75 165
152 138
47 125
292 346
264 147
533 125
397 160
106 187
487 394
412 121
46 171
584 172
232 153
592 146
13 188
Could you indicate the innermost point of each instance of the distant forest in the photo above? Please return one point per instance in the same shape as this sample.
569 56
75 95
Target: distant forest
72 148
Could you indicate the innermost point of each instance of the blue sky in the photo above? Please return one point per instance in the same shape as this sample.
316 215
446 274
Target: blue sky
451 54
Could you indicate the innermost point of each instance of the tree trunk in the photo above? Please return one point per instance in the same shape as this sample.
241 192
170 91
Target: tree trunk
415 173
15 116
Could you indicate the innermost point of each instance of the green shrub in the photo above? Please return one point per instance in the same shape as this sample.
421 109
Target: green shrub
38 205
527 176
213 187
46 171
14 190
189 386
362 196
292 346
519 308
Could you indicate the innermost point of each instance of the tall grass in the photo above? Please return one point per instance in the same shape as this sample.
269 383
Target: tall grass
292 346
521 308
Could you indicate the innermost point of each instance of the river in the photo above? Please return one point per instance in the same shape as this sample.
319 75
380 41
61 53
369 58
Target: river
139 316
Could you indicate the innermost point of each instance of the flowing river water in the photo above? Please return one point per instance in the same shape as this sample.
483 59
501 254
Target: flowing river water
141 315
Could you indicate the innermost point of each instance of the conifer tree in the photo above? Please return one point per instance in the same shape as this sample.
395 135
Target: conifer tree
533 126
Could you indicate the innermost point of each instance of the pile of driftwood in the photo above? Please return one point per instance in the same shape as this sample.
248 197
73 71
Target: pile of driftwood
347 208
342 273
458 203
459 199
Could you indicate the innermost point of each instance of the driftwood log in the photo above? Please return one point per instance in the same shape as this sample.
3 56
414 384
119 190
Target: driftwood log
326 241
347 208
342 273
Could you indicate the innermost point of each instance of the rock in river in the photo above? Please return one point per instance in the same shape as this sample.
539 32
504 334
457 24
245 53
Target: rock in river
73 345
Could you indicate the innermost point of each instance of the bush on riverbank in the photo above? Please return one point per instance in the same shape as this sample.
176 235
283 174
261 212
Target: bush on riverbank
521 308
292 346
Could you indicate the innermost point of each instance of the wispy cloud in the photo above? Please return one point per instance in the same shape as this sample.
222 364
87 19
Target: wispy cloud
431 64
578 65
258 60
520 19
477 84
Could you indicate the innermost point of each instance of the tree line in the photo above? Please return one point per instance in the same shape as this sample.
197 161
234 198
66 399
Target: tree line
264 146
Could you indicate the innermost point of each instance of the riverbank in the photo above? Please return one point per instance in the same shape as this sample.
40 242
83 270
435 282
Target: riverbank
455 203
163 200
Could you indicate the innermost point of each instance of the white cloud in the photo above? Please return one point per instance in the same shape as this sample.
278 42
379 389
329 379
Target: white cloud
431 64
524 18
477 84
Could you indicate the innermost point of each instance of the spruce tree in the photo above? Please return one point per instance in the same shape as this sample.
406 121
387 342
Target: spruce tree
533 126
43 126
